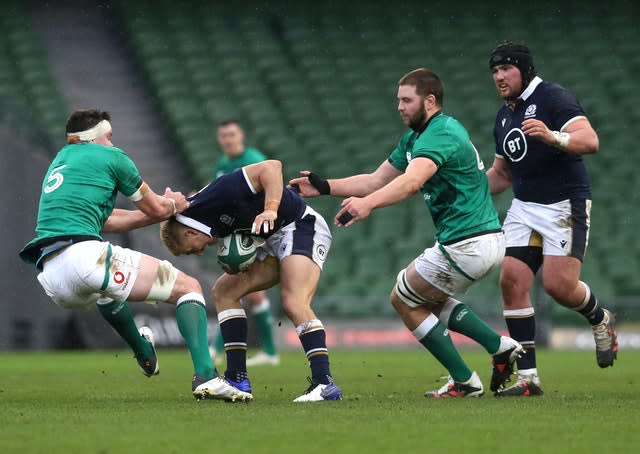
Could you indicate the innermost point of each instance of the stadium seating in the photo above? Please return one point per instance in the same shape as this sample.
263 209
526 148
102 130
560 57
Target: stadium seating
315 85
30 100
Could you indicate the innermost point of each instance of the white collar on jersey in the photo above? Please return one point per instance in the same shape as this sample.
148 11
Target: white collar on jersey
532 86
197 225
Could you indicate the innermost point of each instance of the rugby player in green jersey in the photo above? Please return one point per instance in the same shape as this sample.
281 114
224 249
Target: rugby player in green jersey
236 155
78 269
436 157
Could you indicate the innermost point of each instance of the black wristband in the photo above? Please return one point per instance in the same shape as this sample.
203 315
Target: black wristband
319 183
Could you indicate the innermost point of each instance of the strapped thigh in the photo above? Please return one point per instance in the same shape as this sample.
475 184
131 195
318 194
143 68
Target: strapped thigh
407 294
165 280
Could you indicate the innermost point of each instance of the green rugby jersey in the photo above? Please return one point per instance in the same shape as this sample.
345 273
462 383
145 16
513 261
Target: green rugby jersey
457 196
249 156
79 192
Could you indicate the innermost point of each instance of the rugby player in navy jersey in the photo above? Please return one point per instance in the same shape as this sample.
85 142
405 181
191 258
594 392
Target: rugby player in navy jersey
297 240
541 133
236 154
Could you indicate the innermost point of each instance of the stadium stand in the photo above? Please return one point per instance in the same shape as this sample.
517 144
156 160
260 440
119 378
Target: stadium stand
29 99
314 85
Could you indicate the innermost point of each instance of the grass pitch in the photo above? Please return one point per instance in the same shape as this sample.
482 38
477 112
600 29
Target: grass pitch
99 402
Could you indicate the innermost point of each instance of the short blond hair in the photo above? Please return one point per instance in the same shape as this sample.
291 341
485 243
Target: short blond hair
170 231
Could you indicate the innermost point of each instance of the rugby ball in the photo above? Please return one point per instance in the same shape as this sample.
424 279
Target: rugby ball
236 252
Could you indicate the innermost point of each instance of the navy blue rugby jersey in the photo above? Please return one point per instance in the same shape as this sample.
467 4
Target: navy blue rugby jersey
229 204
541 173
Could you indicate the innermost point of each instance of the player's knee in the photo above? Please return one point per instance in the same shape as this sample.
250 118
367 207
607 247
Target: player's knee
191 284
217 291
227 291
512 283
559 288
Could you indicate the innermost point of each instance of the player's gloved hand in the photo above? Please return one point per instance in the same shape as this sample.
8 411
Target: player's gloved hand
310 184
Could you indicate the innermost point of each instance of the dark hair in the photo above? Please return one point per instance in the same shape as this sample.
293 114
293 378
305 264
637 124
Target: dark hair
81 120
518 55
426 82
229 121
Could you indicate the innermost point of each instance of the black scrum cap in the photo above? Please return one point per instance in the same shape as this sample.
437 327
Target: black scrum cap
517 55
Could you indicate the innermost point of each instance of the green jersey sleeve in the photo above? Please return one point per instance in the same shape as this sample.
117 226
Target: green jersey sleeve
438 146
126 174
399 157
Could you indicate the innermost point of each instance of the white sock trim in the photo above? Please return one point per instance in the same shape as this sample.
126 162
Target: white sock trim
532 371
231 313
425 327
447 309
193 296
307 327
519 313
587 297
264 306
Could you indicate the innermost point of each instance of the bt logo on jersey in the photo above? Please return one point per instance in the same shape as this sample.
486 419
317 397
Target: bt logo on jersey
514 145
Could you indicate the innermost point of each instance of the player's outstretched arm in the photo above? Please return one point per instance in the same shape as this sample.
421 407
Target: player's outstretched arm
126 220
311 184
354 209
152 208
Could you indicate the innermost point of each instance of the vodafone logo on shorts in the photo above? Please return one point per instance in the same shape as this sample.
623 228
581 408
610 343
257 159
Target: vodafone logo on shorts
120 278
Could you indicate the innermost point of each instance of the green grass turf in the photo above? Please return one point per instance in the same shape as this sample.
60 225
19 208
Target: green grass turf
98 402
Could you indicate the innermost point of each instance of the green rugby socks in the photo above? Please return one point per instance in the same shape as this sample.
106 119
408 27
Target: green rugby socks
118 315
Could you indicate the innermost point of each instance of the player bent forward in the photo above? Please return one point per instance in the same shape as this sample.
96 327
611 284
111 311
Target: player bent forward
236 154
78 268
297 240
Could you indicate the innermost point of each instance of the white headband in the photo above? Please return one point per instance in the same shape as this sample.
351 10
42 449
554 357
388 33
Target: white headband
92 133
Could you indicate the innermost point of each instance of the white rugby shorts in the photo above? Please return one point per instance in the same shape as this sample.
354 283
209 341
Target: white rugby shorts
309 236
455 267
561 228
78 277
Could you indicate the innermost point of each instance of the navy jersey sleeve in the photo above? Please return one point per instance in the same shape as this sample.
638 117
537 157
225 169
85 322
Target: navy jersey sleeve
565 107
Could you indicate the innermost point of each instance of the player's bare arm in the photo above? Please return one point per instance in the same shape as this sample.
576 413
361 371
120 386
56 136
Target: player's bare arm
266 176
418 172
126 220
576 137
499 176
152 208
355 185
